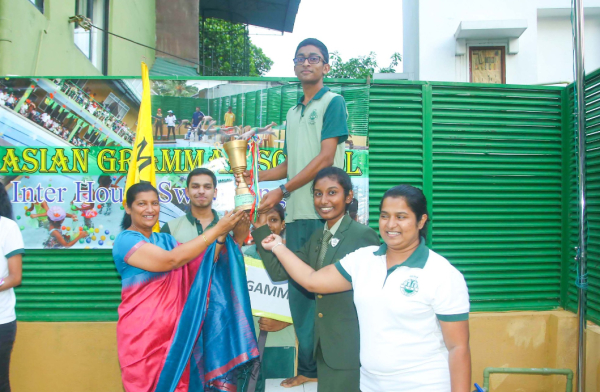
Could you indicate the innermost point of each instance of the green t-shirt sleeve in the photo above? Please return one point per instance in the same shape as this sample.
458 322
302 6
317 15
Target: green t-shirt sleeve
335 122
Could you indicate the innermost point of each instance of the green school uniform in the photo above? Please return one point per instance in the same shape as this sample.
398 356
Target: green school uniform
336 333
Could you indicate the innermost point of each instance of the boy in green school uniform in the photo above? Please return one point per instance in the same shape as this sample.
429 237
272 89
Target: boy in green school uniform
315 134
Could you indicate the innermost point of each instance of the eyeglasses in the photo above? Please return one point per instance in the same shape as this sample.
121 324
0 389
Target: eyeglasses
311 60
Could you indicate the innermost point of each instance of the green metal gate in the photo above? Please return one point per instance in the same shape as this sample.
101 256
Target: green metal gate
592 153
489 160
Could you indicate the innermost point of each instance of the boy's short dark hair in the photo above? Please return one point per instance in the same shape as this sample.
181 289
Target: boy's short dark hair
201 171
318 44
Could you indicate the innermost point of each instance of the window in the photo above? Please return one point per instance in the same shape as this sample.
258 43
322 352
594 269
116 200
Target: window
92 42
115 106
487 65
39 4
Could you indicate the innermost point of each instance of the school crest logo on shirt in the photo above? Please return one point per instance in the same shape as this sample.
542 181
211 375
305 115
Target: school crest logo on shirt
410 286
313 116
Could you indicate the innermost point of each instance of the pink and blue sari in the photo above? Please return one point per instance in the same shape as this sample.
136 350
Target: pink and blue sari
188 329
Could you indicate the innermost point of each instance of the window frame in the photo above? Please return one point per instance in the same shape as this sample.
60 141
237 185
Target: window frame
38 4
502 49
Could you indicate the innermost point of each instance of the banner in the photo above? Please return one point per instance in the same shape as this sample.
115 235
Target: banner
69 144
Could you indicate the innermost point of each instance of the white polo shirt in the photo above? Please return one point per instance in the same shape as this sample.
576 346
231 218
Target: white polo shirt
398 312
11 243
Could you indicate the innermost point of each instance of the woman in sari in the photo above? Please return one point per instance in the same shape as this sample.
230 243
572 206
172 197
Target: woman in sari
184 320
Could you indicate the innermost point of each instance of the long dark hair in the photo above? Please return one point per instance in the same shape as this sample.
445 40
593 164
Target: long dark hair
337 174
415 199
6 209
131 194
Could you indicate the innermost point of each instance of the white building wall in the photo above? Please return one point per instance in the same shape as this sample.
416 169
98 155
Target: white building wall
544 48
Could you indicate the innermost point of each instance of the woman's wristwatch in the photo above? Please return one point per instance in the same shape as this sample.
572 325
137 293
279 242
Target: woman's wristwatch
286 193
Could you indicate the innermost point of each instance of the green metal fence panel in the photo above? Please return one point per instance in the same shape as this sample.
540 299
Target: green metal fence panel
182 107
497 181
68 285
489 160
357 104
592 153
274 105
395 141
250 108
239 110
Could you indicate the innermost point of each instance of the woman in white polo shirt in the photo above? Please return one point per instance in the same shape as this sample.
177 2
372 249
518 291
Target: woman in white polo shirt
11 245
412 304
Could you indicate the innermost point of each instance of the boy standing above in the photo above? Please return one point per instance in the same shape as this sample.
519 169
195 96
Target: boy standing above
314 139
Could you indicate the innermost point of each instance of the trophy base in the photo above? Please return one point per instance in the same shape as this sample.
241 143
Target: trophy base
243 202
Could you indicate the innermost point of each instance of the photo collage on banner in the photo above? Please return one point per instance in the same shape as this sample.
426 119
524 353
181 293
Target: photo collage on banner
67 144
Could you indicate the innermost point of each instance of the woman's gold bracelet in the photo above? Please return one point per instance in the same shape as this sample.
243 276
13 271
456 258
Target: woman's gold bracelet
205 240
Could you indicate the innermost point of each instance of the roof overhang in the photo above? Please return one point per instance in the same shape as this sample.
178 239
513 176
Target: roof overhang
272 14
510 30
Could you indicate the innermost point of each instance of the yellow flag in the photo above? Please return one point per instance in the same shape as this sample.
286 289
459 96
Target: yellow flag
141 164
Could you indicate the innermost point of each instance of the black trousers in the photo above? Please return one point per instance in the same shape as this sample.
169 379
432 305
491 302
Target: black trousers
169 129
158 129
8 332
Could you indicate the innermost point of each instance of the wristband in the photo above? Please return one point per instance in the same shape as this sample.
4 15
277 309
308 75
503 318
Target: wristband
1 281
276 245
220 243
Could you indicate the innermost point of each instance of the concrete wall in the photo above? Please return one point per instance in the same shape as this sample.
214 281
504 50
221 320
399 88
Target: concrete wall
32 43
75 357
545 51
36 44
136 20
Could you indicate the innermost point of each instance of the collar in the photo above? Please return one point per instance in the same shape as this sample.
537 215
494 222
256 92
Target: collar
416 260
319 95
194 221
335 227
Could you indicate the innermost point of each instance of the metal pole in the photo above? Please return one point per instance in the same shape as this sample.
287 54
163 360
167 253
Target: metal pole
582 249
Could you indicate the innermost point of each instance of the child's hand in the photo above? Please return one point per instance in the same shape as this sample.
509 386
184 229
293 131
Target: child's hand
83 234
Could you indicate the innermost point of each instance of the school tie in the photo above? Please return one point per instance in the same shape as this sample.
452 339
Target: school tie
324 245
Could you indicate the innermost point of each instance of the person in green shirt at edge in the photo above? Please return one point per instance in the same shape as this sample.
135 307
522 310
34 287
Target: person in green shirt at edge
336 332
202 190
315 134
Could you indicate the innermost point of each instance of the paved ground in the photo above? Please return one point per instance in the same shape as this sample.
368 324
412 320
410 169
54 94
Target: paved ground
272 385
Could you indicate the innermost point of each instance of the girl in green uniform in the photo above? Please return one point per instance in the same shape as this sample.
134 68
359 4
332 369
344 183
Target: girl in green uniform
336 334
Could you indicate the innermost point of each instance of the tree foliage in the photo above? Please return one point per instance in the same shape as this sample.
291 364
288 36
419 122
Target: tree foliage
174 88
227 50
360 67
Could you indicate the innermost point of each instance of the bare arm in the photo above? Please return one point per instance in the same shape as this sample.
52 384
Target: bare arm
324 159
279 172
324 281
153 258
15 272
456 338
242 229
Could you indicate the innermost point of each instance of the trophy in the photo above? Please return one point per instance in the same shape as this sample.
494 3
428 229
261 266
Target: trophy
236 152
